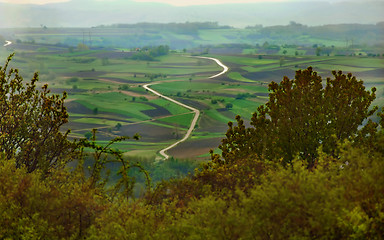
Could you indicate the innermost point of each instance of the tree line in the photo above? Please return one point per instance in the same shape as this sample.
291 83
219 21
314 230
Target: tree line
189 28
150 53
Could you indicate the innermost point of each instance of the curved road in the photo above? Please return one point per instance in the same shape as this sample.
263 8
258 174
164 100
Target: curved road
196 111
225 68
7 43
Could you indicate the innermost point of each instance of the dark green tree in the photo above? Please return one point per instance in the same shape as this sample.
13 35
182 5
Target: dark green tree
300 116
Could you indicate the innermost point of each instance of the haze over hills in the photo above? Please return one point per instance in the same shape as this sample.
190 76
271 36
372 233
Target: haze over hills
88 13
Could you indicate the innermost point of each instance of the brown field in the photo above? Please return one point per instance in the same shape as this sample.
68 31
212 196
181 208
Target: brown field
194 148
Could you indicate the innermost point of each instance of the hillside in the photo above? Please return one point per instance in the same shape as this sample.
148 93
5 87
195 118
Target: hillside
88 13
198 36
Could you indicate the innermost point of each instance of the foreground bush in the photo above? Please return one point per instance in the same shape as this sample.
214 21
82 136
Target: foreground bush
30 121
340 199
61 206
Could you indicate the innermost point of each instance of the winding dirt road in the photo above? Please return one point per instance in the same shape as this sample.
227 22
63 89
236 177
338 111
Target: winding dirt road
7 43
194 110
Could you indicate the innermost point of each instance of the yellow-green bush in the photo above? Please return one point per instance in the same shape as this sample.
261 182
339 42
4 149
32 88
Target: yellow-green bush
55 207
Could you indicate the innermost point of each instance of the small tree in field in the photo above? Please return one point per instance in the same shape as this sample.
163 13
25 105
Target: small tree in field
300 116
30 120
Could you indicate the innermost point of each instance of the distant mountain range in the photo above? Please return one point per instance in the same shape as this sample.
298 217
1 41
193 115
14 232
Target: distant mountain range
88 13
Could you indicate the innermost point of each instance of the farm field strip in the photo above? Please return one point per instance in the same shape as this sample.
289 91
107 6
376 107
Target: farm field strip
152 120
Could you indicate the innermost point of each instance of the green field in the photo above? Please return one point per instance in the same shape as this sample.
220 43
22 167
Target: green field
105 87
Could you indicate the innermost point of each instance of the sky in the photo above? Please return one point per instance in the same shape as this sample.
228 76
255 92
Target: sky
173 2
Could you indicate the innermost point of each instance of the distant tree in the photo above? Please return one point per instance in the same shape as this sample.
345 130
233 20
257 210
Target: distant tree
118 126
159 51
88 135
95 111
229 106
82 47
285 52
124 87
142 56
265 45
30 122
300 116
281 61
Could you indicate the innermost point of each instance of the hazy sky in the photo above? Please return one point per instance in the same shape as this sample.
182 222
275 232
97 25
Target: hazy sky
203 2
173 2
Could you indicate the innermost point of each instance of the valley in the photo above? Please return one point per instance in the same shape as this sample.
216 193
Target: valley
108 87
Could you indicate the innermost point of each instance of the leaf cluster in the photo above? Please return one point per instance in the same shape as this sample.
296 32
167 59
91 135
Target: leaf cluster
30 121
300 116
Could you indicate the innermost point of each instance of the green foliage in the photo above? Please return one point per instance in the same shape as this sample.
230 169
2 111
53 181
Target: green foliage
30 122
60 206
118 126
98 172
124 87
143 56
336 200
243 95
300 116
229 106
82 47
88 135
72 80
150 53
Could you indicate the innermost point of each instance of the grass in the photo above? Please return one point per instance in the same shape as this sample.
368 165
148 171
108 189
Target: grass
183 120
245 108
171 107
245 60
343 68
114 103
96 120
213 113
238 77
362 62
